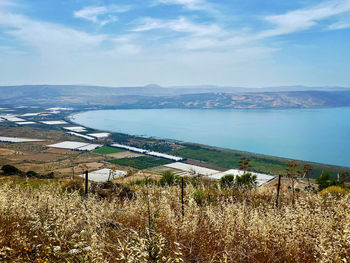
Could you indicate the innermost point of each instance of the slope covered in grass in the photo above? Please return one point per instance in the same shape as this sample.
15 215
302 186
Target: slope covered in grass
44 224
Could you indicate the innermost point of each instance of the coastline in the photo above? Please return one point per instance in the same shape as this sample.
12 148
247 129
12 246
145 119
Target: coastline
280 161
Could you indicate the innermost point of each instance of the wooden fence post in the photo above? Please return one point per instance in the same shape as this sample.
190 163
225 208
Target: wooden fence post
86 183
278 189
182 198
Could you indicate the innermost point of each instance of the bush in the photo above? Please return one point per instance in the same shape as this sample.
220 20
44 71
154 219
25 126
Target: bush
325 180
202 197
143 182
246 180
227 181
168 178
40 176
31 174
73 186
49 175
10 170
111 191
334 191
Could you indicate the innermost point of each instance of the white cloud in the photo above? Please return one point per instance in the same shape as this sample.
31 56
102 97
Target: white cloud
47 37
164 51
181 24
189 4
303 19
342 23
7 3
101 14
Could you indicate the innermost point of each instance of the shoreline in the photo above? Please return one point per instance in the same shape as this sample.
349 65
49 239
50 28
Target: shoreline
205 146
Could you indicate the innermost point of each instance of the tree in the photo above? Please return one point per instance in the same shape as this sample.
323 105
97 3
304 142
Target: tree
325 180
244 165
344 176
293 173
10 170
307 169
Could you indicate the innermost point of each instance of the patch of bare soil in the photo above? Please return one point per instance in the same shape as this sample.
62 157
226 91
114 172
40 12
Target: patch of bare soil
285 183
40 157
29 132
140 175
124 155
7 152
60 151
79 169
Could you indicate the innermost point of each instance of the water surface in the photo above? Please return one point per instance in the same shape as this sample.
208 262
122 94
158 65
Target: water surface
319 135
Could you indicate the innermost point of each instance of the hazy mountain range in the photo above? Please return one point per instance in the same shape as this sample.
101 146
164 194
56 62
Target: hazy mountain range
155 96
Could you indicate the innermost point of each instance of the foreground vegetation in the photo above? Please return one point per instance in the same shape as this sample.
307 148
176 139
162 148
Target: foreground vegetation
47 224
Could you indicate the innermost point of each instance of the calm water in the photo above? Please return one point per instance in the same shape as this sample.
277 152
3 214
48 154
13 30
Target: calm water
321 135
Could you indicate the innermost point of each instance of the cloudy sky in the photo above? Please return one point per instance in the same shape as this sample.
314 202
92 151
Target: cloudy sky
250 43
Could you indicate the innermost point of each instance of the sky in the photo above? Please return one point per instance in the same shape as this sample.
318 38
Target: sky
250 43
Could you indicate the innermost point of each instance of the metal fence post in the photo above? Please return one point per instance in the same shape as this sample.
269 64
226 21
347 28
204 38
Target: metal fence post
278 189
182 198
86 183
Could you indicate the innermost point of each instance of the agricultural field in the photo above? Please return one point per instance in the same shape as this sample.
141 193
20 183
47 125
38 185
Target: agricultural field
35 156
260 163
108 150
143 162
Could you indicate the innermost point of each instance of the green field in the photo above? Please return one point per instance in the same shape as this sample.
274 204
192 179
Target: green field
143 162
108 150
260 163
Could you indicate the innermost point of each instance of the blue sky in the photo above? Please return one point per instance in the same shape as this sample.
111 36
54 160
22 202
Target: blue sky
249 43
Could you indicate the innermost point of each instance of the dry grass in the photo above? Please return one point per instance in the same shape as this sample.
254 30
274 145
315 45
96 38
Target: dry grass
47 225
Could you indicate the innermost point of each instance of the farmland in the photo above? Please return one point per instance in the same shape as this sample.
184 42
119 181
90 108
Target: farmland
108 150
142 162
260 163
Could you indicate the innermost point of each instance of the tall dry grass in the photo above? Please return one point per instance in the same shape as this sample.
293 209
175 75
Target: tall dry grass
46 225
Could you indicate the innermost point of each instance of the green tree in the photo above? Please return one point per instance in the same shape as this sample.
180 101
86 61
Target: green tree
10 170
246 180
227 181
325 180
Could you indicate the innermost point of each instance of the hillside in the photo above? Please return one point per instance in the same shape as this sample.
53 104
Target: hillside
154 96
40 222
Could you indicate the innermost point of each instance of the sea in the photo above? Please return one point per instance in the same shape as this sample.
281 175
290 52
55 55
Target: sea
316 135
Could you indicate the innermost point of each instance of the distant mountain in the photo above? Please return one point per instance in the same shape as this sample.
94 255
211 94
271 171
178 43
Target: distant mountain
155 96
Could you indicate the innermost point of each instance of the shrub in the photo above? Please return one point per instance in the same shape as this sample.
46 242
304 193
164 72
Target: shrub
168 178
143 182
199 196
10 170
40 176
111 190
247 180
202 197
49 175
31 174
334 191
72 186
325 180
227 181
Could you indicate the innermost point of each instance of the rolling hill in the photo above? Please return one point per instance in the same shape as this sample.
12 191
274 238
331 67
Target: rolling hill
154 96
